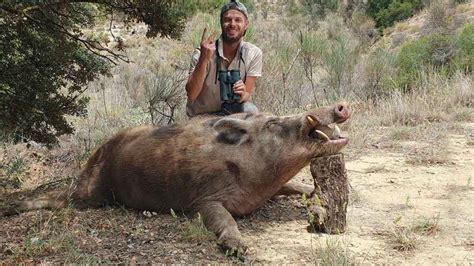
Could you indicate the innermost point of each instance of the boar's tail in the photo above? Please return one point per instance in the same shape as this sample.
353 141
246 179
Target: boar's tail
53 201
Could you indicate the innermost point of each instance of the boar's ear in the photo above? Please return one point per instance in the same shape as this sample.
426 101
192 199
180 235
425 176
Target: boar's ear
231 131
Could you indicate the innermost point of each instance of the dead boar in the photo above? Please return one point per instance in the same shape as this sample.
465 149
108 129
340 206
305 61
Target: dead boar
219 167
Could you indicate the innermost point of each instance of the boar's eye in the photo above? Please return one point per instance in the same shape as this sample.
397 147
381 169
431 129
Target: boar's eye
278 128
274 127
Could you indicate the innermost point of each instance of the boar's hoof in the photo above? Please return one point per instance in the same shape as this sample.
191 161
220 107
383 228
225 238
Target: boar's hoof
232 246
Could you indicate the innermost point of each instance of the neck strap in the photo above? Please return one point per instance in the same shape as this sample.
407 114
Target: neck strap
218 61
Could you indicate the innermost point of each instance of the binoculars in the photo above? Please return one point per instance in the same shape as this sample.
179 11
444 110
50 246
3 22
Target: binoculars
227 79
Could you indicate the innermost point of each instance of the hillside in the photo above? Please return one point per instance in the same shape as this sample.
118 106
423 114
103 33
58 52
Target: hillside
410 160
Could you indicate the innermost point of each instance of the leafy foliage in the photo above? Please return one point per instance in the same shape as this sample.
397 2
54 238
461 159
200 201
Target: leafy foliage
434 51
36 64
465 45
46 61
387 12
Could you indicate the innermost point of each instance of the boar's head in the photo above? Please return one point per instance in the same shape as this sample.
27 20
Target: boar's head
279 146
313 133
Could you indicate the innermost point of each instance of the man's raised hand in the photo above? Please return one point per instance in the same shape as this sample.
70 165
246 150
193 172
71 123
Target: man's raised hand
208 45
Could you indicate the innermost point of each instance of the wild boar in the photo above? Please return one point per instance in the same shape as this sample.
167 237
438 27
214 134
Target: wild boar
218 166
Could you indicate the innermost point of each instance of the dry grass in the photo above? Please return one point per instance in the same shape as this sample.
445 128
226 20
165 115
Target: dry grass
12 170
431 154
332 250
423 115
425 144
465 8
402 26
406 238
402 238
434 99
110 235
52 233
402 133
463 114
355 198
194 229
426 225
437 12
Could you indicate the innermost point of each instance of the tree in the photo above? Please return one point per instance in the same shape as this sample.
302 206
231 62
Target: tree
46 60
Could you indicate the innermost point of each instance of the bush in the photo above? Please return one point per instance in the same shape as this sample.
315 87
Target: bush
437 13
387 12
465 44
434 51
378 68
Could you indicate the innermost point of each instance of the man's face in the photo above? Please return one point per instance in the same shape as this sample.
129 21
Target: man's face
233 25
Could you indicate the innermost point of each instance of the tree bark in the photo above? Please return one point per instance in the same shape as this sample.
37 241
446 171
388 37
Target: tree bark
327 205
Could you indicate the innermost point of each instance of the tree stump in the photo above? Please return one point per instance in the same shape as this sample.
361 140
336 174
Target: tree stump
327 205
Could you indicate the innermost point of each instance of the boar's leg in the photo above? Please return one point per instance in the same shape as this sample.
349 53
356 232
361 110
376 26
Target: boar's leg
219 220
294 188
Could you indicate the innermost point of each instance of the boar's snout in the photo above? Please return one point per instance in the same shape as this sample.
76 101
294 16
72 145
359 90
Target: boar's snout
320 127
342 112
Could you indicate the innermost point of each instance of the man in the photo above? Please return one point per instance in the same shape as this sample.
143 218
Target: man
227 63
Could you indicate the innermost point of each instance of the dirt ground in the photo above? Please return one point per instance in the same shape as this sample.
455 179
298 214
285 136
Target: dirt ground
399 213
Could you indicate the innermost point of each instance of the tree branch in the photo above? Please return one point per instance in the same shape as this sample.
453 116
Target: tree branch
93 46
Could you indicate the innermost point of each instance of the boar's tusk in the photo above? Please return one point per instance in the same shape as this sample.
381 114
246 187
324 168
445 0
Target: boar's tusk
337 132
311 120
323 135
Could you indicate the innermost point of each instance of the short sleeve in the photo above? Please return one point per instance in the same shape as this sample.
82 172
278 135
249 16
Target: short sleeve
194 60
255 63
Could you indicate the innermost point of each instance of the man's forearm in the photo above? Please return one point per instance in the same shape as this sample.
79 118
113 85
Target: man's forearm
196 79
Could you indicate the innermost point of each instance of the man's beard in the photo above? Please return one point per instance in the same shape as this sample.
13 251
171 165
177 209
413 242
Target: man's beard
232 40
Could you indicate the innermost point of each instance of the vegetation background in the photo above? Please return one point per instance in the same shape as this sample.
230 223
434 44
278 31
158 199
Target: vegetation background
406 67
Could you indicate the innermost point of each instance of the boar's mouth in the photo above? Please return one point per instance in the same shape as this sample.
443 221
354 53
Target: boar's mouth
326 133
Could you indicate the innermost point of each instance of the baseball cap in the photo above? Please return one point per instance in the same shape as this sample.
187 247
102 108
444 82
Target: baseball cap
234 4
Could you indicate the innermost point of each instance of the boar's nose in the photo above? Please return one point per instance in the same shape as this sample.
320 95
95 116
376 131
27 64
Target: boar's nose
342 112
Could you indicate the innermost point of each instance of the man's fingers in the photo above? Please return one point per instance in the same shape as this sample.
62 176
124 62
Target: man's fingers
212 37
204 33
238 83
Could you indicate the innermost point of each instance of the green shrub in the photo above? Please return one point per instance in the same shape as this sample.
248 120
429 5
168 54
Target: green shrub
432 51
465 45
442 53
387 12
